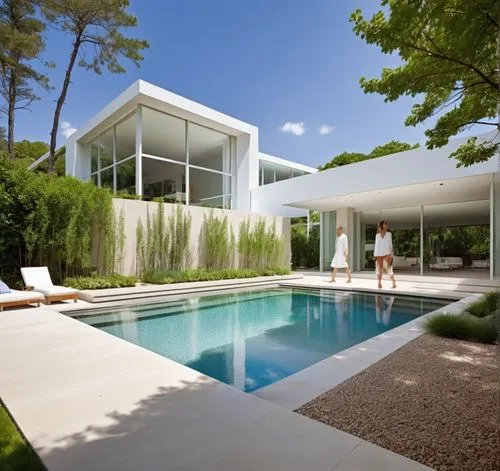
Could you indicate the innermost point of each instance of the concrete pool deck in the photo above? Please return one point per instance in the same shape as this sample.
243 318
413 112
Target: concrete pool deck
86 400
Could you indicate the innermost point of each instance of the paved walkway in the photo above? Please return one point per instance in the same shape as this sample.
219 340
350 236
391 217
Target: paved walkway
89 401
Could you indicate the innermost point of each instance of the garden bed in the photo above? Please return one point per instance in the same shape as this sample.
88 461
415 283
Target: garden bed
435 401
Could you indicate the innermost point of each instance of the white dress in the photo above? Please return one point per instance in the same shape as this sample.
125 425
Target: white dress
339 260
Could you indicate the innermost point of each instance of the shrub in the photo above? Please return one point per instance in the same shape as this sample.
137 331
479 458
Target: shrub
60 222
260 246
100 282
217 243
305 251
172 276
463 327
484 306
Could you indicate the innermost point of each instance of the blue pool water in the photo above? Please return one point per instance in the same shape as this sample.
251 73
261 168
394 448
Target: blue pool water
254 338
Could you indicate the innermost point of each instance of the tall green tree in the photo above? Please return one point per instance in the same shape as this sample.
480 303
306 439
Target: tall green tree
21 42
450 53
346 158
95 27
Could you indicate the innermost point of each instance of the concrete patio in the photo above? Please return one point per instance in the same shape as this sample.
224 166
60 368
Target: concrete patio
86 400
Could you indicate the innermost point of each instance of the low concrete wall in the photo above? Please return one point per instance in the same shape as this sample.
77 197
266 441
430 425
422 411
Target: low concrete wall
134 210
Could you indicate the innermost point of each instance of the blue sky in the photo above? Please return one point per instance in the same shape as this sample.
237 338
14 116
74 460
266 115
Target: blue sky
265 62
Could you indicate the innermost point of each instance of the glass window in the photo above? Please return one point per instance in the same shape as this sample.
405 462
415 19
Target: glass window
107 178
125 138
163 135
164 179
125 176
106 148
297 173
282 172
209 189
94 156
209 149
457 239
268 173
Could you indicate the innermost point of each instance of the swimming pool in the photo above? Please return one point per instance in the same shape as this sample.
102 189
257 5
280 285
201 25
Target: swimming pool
251 339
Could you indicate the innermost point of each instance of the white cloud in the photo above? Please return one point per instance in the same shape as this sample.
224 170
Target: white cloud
297 129
325 129
66 128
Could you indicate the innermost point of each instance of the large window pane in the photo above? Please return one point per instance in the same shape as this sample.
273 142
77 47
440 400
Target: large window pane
125 138
404 224
209 189
125 176
94 156
282 172
164 179
457 239
107 178
106 148
163 135
268 173
209 148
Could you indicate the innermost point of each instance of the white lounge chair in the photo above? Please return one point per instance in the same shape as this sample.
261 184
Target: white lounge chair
20 298
38 279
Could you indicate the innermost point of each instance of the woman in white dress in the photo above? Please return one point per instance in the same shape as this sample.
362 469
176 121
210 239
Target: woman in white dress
340 257
384 253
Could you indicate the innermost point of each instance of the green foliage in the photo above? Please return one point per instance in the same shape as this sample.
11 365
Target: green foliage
179 224
100 282
346 158
217 243
60 222
259 247
96 31
485 306
463 327
172 276
305 251
163 244
449 55
15 453
21 42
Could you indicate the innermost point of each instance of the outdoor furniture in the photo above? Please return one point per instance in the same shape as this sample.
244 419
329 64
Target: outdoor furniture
480 264
452 262
20 298
440 266
38 279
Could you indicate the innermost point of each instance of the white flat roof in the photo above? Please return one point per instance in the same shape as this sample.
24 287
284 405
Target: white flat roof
141 92
412 176
286 163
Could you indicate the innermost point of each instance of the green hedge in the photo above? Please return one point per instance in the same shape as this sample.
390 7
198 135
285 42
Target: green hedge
168 276
464 327
100 282
478 322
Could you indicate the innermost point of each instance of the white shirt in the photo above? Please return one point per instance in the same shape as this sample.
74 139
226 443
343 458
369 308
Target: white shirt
383 245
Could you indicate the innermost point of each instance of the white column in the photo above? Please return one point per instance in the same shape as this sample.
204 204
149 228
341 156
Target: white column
421 240
138 151
321 241
492 230
115 189
188 193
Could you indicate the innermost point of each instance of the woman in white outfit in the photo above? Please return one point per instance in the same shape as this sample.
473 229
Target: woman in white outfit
340 257
383 253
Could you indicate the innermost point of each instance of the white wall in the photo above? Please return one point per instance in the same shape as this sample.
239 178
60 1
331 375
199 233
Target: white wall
135 210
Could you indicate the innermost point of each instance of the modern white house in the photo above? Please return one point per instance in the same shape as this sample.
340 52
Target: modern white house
154 143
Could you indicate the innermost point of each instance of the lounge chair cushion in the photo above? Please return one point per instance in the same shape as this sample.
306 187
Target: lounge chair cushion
15 295
36 276
55 290
4 289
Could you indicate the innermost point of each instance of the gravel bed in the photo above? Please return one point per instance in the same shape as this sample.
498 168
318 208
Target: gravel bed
436 401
